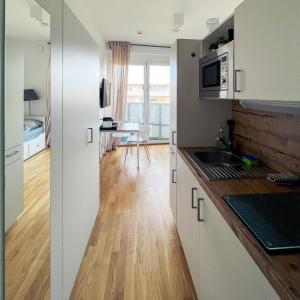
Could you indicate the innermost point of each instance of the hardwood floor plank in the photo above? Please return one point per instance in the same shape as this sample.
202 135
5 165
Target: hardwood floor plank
27 243
134 251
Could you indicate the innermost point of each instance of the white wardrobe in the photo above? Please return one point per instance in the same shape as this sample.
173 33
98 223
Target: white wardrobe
14 115
80 143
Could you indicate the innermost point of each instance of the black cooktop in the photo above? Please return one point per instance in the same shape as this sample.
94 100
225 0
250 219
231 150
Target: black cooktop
274 219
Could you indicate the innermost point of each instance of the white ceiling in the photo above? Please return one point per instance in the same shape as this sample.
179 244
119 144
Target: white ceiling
19 24
120 19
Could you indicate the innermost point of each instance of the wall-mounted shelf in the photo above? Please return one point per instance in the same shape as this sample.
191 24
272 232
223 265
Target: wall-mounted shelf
221 30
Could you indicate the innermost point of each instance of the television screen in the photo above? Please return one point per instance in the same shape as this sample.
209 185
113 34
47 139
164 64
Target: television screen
105 93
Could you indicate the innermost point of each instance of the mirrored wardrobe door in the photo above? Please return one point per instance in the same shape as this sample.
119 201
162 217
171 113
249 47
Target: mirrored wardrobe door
2 38
27 150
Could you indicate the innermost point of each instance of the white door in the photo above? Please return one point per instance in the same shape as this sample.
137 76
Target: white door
187 221
80 157
148 98
267 47
158 101
135 106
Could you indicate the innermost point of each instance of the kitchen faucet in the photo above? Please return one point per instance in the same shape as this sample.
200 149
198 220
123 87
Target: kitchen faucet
223 144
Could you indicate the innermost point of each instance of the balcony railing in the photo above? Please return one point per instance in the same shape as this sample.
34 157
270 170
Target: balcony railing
159 118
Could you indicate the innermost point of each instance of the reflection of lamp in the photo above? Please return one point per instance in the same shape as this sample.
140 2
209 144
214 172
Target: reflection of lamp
30 95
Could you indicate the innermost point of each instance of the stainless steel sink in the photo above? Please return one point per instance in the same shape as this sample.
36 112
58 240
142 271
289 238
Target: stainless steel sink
218 165
219 158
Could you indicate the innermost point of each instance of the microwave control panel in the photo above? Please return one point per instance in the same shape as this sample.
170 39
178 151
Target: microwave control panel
224 71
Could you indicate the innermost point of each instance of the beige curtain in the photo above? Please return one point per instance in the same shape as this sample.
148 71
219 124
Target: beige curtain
120 61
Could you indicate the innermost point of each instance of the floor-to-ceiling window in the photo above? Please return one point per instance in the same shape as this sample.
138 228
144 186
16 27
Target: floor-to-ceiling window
148 98
159 100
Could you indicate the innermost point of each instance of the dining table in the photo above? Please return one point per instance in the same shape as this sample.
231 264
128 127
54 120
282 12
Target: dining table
125 127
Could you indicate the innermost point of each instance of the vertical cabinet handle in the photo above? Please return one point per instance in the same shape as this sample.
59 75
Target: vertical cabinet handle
200 218
91 136
236 89
173 138
173 176
193 196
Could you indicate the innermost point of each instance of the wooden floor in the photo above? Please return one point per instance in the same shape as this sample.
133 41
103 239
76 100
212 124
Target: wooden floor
27 243
134 251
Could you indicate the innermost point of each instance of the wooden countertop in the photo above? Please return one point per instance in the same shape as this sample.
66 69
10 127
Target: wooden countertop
282 271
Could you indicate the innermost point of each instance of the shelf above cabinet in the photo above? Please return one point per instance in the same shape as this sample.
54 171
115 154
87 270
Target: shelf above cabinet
221 30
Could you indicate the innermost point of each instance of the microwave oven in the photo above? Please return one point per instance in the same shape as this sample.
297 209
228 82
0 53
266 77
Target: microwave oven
217 74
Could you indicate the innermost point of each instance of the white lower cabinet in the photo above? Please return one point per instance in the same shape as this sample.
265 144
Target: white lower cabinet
220 266
14 202
173 192
187 223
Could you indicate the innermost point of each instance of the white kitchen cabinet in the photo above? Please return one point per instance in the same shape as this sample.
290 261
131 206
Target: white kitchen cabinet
267 47
187 222
173 192
173 95
190 117
220 266
14 116
14 178
227 271
14 93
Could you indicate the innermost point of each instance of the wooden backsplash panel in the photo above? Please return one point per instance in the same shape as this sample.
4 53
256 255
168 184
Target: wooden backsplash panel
273 138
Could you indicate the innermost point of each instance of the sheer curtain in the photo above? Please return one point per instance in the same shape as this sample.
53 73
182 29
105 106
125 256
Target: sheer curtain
120 63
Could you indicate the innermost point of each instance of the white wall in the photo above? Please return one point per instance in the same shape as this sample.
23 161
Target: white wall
36 60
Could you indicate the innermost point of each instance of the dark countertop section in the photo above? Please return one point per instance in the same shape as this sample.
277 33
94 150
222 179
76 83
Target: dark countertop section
282 271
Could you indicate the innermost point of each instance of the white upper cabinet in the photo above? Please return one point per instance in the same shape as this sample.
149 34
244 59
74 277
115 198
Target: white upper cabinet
267 48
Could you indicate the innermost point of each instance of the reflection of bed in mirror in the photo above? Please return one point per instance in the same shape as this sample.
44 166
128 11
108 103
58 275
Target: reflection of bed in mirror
34 135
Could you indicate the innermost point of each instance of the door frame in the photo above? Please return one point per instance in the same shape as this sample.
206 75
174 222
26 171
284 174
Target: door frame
55 10
2 147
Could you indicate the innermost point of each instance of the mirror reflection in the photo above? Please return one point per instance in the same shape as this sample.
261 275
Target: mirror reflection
27 151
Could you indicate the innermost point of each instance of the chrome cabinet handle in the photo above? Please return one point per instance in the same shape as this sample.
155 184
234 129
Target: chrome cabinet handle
173 138
11 154
200 219
173 176
193 190
92 136
235 80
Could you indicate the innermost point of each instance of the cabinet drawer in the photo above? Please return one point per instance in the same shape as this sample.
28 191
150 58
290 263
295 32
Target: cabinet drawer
13 154
37 145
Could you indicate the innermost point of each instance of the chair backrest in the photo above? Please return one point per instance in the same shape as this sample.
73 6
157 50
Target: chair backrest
144 132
